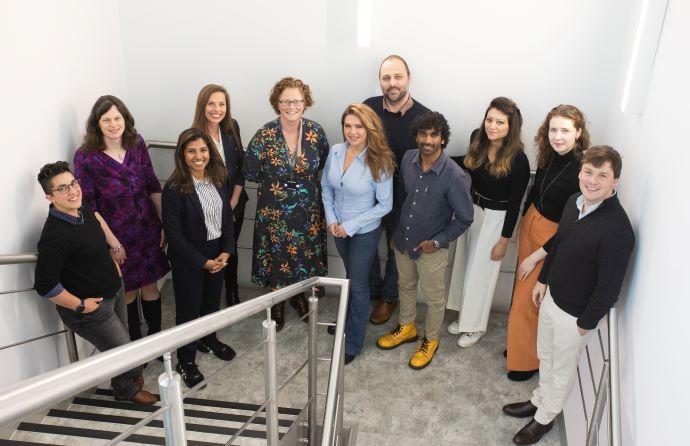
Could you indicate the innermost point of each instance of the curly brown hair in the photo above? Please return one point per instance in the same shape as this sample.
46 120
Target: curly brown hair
290 82
541 139
379 158
93 139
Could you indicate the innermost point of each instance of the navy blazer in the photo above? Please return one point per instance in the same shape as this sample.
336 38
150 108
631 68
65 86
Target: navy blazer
185 227
234 158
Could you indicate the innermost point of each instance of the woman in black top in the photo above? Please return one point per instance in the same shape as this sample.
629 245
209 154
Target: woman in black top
196 220
560 141
500 172
212 114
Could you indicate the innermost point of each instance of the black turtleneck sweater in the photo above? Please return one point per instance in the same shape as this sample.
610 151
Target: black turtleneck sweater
587 262
553 186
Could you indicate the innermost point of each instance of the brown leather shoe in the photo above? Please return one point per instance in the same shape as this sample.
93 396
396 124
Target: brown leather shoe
532 432
278 315
523 409
144 397
382 312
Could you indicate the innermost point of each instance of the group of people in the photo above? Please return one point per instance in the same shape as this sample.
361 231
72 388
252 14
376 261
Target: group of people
102 244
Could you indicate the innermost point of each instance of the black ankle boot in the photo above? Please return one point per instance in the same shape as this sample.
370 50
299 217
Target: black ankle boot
152 314
134 321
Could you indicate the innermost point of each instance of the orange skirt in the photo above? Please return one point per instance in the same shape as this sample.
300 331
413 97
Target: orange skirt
535 230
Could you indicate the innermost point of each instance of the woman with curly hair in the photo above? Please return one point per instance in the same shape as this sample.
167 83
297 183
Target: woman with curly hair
357 192
499 168
284 157
118 183
560 141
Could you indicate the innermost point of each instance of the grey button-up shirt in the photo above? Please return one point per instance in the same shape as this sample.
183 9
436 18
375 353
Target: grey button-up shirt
430 200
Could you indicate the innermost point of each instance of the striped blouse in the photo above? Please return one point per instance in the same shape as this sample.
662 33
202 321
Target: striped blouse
212 205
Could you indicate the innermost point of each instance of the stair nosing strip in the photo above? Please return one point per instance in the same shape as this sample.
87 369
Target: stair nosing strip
122 419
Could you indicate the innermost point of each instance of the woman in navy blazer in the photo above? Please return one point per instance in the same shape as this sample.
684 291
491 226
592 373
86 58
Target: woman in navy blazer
212 114
196 220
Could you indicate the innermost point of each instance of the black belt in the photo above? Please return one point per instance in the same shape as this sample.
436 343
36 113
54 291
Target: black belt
488 203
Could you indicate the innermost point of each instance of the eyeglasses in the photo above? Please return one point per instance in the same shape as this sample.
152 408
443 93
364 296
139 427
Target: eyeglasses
64 188
295 102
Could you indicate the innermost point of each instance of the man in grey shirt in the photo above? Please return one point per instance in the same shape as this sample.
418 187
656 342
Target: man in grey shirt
432 189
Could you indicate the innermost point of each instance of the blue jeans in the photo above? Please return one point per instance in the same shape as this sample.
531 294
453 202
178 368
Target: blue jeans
106 328
357 253
386 288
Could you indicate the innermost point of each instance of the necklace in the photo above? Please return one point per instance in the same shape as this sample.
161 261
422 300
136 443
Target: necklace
119 156
542 191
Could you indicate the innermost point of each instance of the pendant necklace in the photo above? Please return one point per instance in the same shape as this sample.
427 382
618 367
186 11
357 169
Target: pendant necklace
542 191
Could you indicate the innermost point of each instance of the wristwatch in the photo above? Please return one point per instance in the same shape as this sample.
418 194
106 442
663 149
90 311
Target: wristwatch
80 308
437 245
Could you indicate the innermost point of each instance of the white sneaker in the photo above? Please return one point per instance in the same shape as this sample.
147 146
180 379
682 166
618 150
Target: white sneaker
454 328
471 338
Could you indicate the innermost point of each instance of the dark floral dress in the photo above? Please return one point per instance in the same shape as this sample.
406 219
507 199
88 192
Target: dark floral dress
289 231
121 194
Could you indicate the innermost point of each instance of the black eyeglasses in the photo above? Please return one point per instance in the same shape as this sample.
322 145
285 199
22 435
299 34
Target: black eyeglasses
295 102
64 188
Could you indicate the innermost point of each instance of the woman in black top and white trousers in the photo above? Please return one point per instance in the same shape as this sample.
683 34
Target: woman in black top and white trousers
212 114
500 172
196 220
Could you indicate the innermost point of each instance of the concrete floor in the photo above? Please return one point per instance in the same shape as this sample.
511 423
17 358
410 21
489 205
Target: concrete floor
456 400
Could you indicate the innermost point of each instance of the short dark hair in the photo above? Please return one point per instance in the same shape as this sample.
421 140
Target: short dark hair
597 156
49 171
431 120
394 57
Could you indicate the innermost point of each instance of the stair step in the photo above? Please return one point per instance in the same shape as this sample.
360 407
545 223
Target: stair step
21 443
121 405
216 403
100 434
119 419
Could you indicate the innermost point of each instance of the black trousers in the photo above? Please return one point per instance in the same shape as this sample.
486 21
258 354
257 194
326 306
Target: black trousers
197 293
230 273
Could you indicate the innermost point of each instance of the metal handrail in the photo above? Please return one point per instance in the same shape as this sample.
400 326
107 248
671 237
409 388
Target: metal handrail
609 388
71 342
24 398
18 258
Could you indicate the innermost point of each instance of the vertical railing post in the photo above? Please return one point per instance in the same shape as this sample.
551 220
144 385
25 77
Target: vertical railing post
71 342
341 397
170 387
614 381
313 325
270 381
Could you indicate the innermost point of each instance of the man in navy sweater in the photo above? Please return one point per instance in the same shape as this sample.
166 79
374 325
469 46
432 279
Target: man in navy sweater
76 270
397 110
578 284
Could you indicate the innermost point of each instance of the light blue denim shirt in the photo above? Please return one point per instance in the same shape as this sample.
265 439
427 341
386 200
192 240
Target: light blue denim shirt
354 199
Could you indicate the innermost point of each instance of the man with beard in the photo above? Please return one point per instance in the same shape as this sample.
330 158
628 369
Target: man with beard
397 110
432 189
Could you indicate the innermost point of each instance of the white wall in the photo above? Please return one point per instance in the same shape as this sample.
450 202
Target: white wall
654 190
57 58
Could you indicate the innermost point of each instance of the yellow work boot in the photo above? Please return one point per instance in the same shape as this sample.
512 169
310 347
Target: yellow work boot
424 354
401 334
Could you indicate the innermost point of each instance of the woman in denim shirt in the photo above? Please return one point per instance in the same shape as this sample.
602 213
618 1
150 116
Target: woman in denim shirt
357 192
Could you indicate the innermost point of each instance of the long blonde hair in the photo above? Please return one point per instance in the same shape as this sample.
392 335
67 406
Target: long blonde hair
380 158
477 154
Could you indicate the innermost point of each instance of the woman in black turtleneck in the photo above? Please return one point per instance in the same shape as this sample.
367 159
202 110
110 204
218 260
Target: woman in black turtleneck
499 169
560 140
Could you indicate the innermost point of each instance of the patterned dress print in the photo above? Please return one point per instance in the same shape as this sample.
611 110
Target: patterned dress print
289 231
121 194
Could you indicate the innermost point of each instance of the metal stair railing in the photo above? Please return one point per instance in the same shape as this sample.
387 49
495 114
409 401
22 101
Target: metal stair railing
70 340
36 393
607 390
